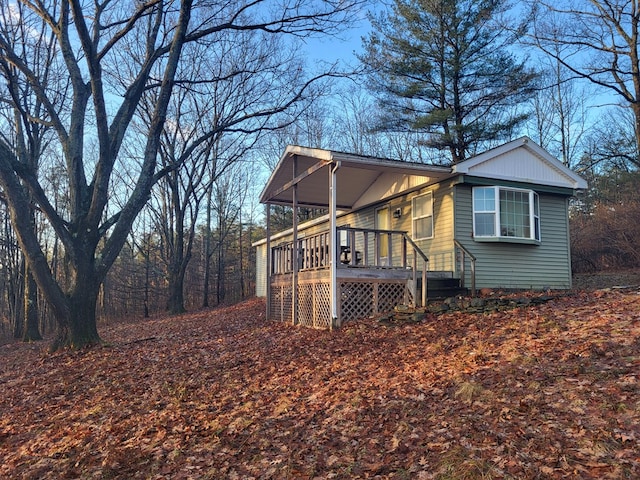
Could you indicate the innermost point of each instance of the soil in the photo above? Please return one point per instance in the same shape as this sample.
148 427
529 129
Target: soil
608 279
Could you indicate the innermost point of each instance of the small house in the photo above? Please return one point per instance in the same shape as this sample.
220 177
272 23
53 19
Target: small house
401 232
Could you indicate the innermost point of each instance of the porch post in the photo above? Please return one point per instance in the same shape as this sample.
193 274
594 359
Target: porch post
295 253
269 262
333 245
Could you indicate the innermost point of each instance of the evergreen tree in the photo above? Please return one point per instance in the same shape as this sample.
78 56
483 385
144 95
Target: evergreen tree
443 67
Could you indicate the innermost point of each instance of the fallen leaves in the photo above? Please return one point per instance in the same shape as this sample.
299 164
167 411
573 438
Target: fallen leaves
549 391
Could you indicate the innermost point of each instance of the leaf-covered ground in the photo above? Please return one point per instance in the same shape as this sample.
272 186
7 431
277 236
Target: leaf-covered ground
543 392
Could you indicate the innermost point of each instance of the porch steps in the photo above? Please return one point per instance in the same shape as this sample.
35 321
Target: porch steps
442 285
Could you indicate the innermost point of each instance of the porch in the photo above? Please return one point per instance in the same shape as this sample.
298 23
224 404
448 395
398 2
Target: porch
375 271
342 273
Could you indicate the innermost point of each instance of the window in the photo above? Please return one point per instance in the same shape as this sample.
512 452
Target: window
506 213
422 216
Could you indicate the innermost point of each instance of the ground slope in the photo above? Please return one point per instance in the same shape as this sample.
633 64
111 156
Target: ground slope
550 391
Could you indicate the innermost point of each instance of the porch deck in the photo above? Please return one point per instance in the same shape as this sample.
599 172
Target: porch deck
375 271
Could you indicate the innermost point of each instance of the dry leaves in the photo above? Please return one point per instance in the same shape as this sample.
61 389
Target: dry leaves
543 392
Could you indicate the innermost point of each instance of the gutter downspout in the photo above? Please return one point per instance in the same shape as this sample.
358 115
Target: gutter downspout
269 262
333 252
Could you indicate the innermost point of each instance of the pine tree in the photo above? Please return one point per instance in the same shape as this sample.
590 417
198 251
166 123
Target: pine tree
443 67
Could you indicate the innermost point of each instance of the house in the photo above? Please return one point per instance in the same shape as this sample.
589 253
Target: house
398 232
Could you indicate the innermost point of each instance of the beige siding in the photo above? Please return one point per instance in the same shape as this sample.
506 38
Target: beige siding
438 249
261 270
499 264
513 265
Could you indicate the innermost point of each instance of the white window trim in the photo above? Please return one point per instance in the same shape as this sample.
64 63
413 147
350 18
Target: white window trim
414 217
534 216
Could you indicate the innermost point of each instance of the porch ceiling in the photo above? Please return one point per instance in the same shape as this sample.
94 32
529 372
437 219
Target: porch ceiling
355 176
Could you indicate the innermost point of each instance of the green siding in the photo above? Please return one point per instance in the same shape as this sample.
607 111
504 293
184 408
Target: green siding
513 265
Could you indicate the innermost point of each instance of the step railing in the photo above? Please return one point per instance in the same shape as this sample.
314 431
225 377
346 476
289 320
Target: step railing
464 253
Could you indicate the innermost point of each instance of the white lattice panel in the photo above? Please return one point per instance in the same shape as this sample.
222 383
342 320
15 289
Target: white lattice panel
356 300
281 303
322 305
306 300
390 295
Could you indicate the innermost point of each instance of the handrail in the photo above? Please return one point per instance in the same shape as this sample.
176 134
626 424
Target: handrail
425 261
416 248
363 248
406 239
472 261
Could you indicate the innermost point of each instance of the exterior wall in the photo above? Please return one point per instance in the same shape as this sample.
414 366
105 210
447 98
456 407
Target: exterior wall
499 264
439 249
515 265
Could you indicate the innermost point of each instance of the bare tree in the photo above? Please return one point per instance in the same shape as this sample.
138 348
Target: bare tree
560 113
597 41
27 136
611 142
195 150
90 41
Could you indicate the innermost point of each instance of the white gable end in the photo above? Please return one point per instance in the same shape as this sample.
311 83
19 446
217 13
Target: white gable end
522 166
521 161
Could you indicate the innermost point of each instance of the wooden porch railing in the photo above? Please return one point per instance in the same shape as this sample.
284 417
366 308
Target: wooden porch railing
313 252
357 248
472 262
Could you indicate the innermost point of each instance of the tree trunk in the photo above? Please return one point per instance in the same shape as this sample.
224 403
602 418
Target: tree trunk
242 289
31 328
177 268
175 302
79 328
207 251
147 268
220 282
17 299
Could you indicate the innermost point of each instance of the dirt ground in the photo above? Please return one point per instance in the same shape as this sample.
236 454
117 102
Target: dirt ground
599 280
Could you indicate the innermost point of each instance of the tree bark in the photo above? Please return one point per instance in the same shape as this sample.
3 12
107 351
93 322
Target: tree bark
175 300
207 249
31 328
79 328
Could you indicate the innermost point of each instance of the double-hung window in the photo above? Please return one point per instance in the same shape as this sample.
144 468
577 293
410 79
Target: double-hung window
506 213
422 216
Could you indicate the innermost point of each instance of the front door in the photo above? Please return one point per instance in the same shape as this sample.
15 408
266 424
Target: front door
383 222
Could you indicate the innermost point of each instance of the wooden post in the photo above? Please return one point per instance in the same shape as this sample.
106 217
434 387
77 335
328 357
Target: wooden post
415 278
352 246
424 283
365 260
295 249
404 251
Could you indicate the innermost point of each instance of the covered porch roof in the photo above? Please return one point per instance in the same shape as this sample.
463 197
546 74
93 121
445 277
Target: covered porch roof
361 180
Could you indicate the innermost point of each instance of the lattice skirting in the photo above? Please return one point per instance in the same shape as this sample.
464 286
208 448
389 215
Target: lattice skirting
314 304
363 299
357 299
281 303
